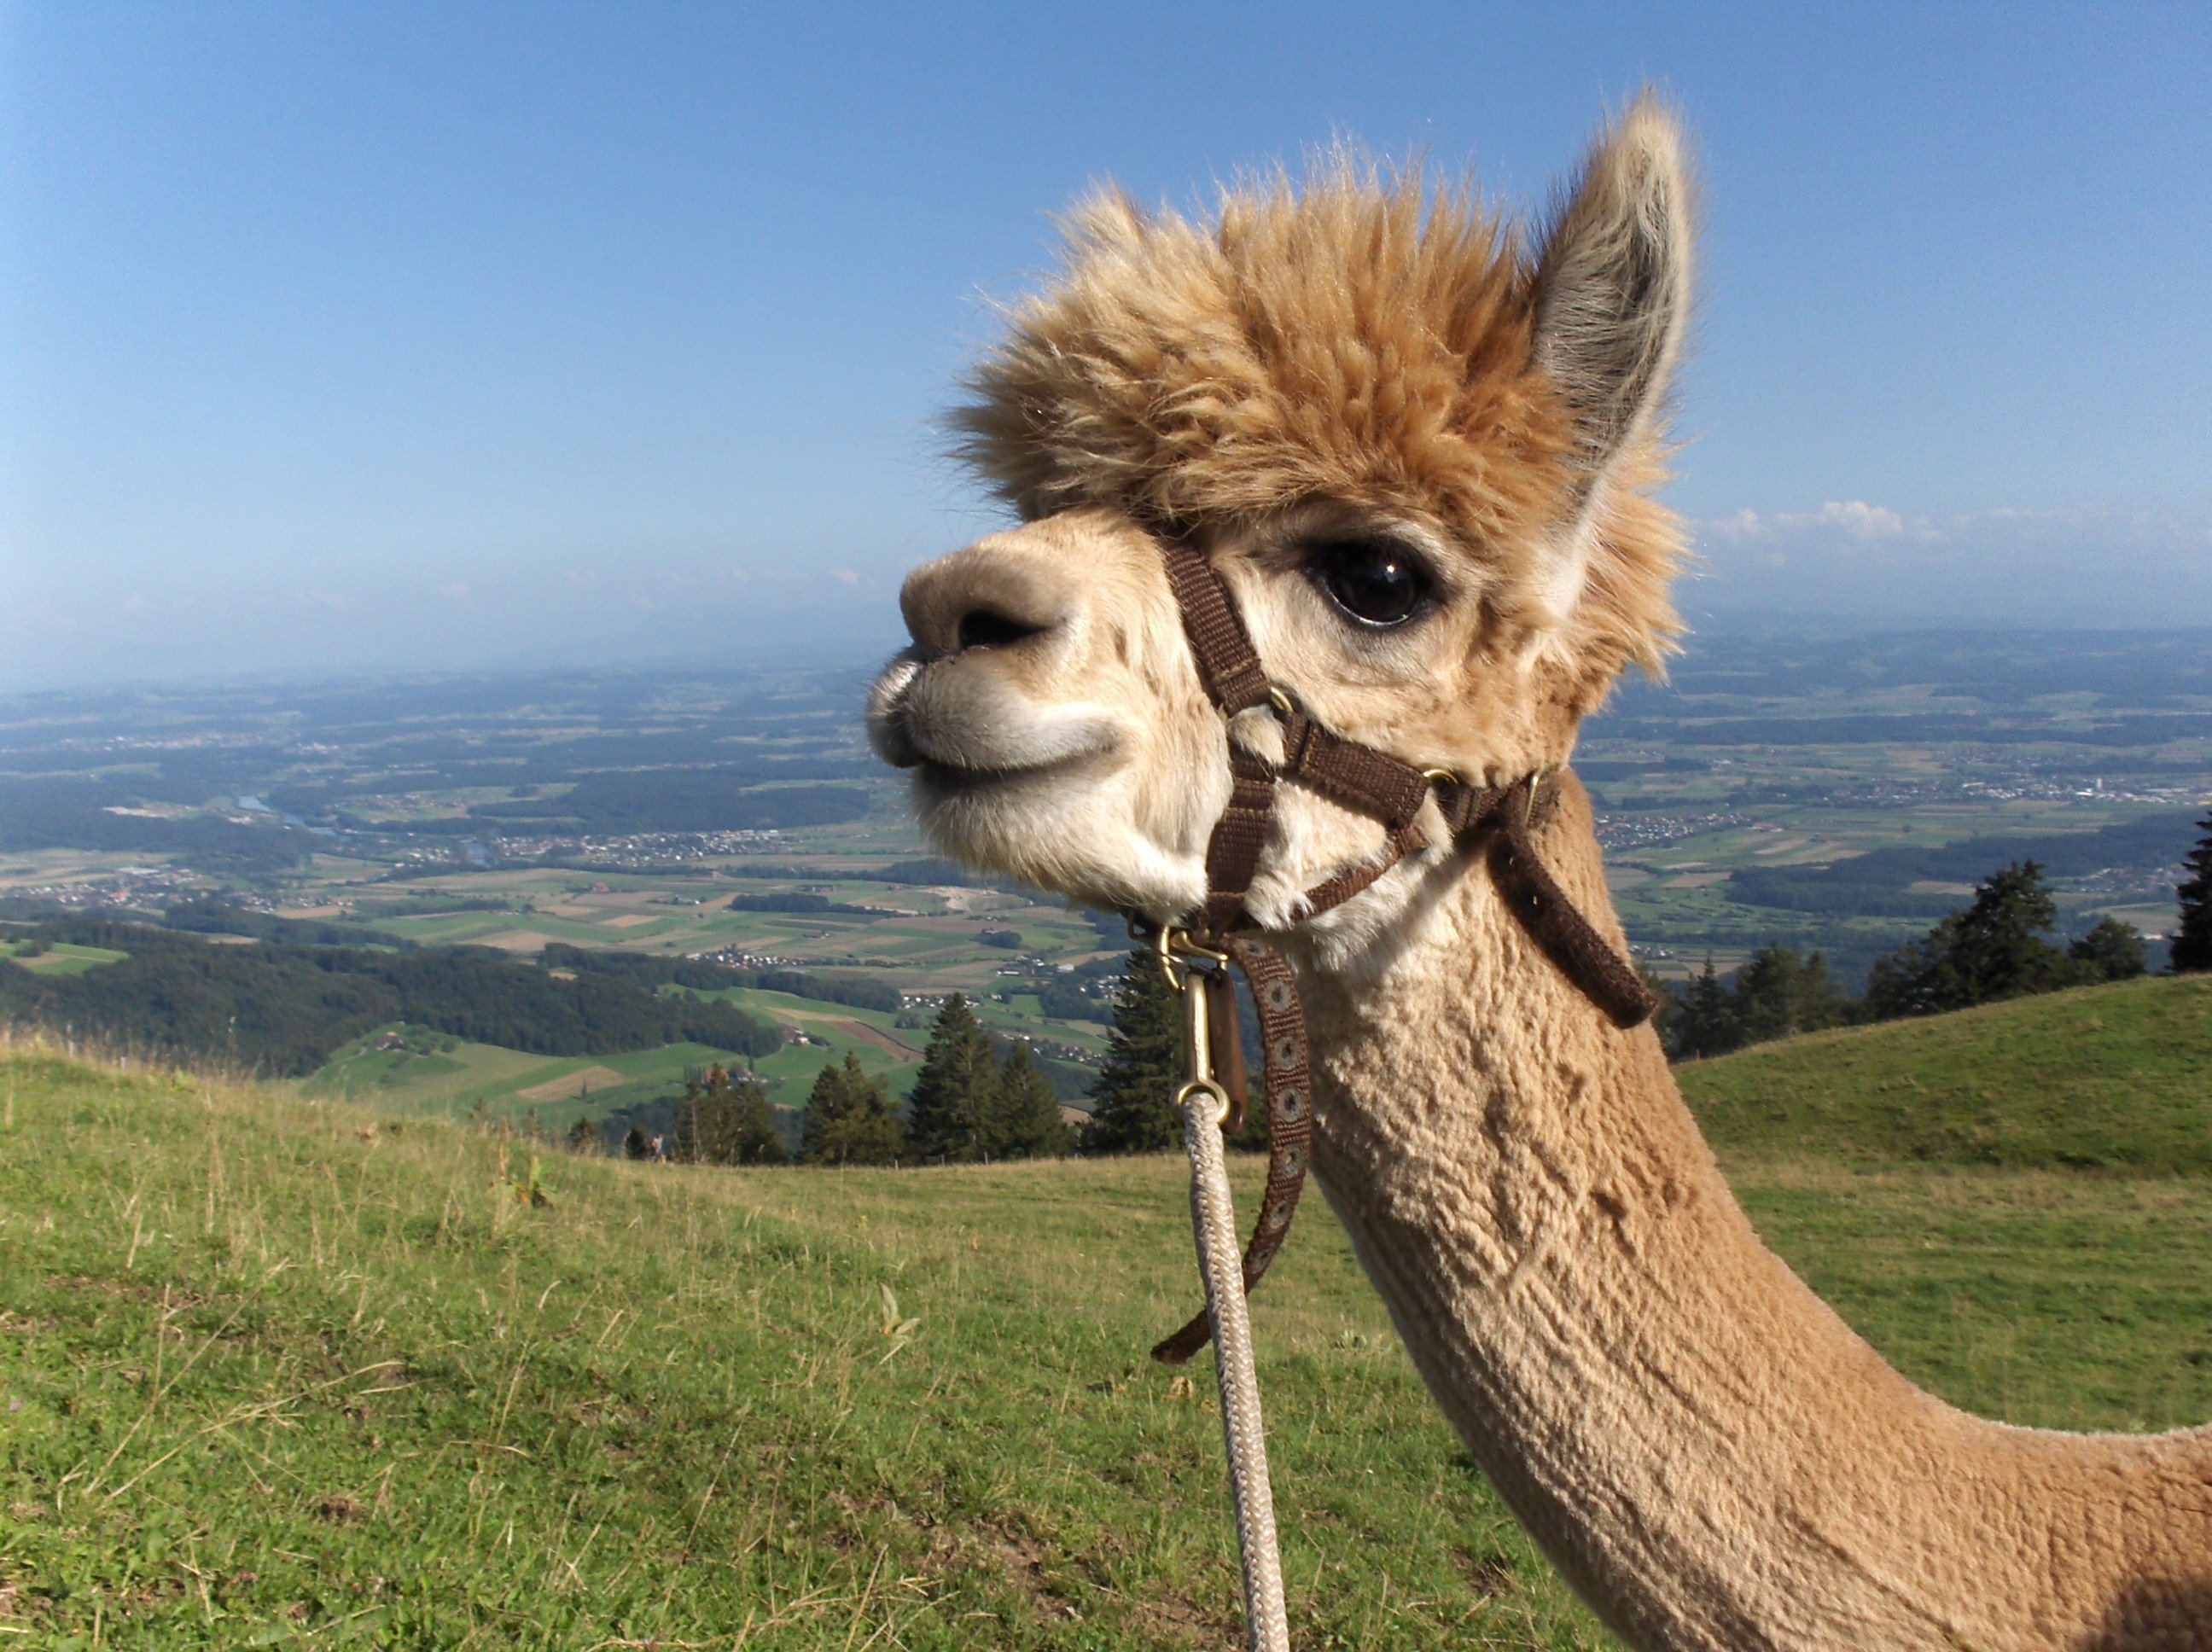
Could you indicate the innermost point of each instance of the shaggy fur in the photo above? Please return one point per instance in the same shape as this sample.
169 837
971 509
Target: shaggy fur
1710 1455
1707 1452
1364 343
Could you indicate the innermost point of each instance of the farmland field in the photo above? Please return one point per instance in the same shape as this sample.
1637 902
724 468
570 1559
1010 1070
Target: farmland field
1832 791
450 1077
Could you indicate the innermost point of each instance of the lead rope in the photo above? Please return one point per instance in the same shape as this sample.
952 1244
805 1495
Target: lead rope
1205 1107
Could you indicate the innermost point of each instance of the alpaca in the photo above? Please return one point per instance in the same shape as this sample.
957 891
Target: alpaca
1420 456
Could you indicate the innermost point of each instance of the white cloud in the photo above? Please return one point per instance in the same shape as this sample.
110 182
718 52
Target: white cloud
1860 519
1850 518
1851 559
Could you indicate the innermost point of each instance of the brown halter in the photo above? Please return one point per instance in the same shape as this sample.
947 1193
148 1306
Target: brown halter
1500 818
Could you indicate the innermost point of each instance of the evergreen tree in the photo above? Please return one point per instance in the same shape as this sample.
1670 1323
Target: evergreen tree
949 1116
849 1119
1997 950
756 1140
1777 994
583 1137
635 1144
2192 937
1025 1123
719 1121
1704 1022
2111 952
1132 1103
702 1132
1992 950
1911 981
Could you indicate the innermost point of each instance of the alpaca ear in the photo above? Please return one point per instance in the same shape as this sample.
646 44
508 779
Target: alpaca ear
1612 289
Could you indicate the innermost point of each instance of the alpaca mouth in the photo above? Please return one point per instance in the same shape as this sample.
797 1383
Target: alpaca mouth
962 727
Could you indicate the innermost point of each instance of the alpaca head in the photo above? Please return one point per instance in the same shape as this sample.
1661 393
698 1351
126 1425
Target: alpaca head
1419 455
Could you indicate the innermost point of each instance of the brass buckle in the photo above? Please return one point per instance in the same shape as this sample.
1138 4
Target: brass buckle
1173 946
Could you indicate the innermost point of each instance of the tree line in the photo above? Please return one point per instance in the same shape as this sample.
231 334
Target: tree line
969 1106
1998 946
285 1010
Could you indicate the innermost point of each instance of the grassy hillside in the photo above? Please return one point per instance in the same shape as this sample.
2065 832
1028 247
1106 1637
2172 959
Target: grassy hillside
442 1076
273 1373
2116 1078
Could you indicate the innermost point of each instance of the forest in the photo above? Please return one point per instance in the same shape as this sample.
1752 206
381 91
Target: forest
1881 880
283 1010
856 991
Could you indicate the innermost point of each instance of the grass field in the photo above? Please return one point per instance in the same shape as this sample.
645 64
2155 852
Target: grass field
62 957
2116 1078
448 1077
273 1373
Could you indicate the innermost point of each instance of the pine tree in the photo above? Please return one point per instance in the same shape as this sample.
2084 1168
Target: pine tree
1132 1103
583 1137
1025 1123
1998 948
752 1126
1992 950
701 1135
2111 952
719 1121
949 1114
849 1119
1705 1024
1777 994
2192 937
1911 981
1765 995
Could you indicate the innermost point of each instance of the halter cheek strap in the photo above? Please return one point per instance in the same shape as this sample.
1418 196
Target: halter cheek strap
1387 790
1499 820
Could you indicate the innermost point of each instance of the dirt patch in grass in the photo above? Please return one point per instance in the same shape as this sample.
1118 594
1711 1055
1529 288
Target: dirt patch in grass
521 940
1175 1620
863 1033
574 1083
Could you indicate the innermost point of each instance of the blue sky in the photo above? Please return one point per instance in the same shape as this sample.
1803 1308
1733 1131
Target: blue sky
408 335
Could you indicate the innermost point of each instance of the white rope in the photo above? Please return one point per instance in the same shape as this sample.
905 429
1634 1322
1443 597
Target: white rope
1219 1258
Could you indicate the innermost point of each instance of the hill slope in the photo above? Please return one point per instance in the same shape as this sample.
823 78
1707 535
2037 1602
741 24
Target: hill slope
2103 1077
273 1373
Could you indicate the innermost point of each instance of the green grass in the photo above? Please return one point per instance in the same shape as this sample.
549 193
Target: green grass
283 1371
791 1071
278 1373
2115 1077
62 957
451 1083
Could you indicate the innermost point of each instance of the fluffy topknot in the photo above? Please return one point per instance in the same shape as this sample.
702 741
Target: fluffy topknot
1360 339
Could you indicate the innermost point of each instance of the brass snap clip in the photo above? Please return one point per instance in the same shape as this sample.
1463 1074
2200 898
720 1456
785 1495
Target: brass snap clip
1197 1038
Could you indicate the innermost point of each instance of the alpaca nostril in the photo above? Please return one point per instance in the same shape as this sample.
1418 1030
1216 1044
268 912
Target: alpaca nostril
983 628
993 595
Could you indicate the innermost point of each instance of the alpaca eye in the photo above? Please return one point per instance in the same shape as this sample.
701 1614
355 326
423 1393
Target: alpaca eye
1373 581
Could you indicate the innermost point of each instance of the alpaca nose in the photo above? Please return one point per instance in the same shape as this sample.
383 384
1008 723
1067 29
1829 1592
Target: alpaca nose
985 596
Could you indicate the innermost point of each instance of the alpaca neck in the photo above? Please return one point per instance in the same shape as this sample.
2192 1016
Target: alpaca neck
1709 1455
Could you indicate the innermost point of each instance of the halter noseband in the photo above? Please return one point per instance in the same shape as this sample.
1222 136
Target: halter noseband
1498 819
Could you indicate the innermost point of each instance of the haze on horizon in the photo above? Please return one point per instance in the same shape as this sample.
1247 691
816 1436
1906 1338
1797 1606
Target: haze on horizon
405 336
